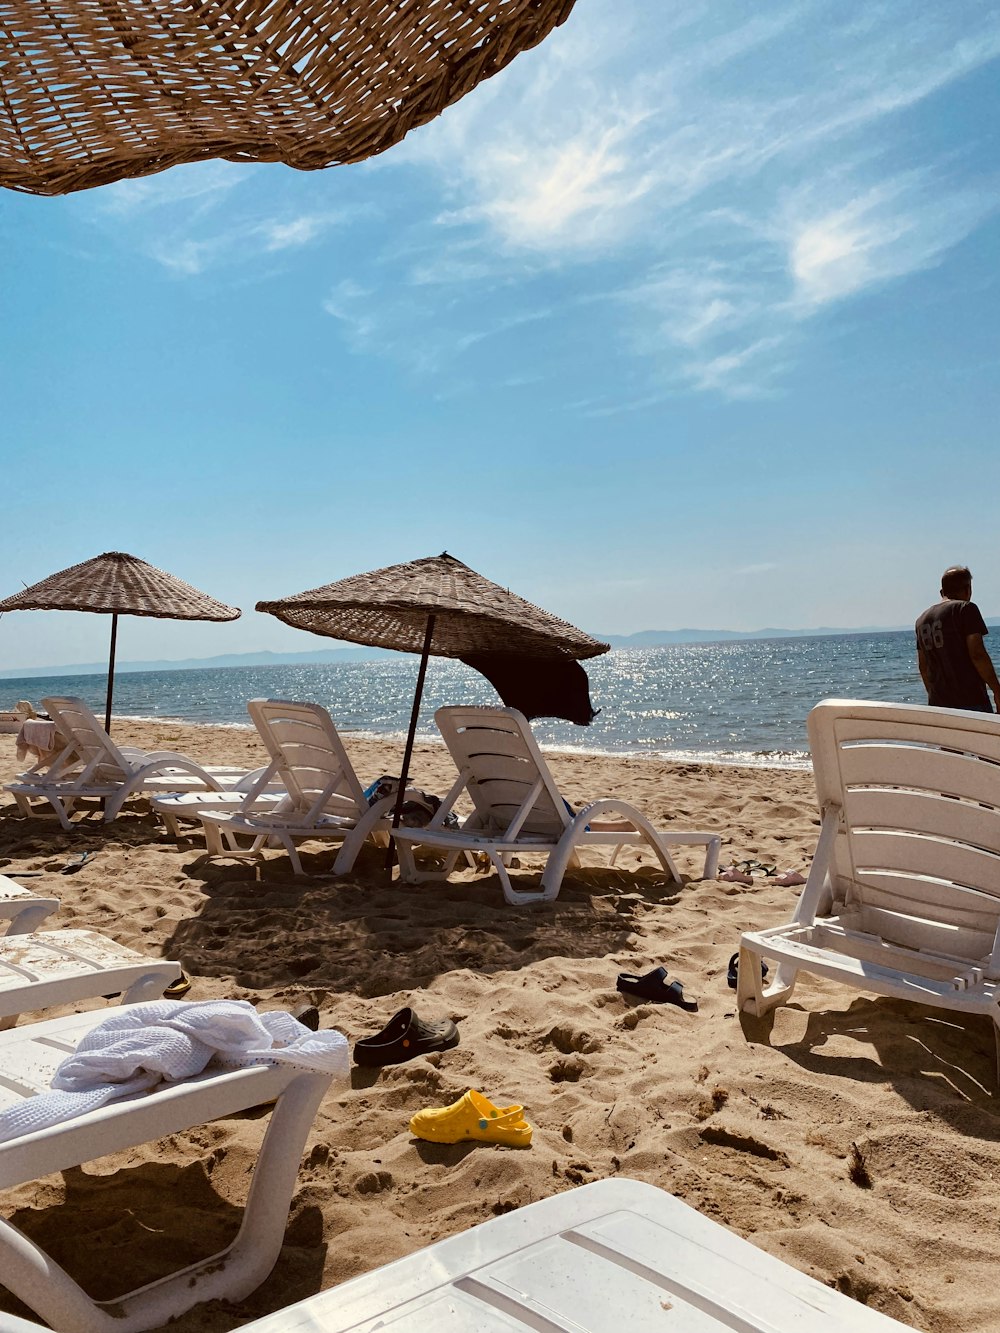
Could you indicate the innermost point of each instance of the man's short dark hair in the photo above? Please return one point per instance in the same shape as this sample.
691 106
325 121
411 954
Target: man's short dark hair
955 580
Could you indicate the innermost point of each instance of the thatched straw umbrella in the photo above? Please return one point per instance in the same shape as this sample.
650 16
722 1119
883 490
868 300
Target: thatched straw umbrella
440 606
117 584
95 91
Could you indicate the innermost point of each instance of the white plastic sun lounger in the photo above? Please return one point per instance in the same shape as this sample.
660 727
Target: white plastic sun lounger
518 809
12 719
613 1255
91 765
22 909
257 791
324 798
43 968
28 1059
903 897
51 967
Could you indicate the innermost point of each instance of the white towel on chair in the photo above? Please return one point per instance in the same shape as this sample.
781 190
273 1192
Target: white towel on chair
166 1041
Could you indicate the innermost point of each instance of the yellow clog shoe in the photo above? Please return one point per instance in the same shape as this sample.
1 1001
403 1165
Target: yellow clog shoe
474 1117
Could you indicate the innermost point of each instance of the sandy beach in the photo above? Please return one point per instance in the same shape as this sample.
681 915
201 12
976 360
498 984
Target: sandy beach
856 1138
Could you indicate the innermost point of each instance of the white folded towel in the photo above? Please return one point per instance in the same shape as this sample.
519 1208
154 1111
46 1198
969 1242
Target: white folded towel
166 1041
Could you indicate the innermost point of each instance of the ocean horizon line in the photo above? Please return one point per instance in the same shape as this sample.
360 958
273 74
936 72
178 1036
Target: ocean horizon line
641 639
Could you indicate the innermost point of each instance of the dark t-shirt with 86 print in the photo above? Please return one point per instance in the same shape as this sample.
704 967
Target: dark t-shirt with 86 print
953 681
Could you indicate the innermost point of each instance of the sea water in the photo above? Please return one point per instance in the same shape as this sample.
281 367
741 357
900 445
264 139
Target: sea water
739 702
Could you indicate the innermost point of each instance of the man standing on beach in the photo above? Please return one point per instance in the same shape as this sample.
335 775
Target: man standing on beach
954 665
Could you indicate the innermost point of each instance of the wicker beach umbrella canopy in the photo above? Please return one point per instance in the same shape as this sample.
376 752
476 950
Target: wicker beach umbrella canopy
389 608
117 584
96 91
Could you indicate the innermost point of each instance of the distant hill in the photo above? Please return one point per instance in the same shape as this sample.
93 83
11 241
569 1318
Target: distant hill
646 638
660 638
318 656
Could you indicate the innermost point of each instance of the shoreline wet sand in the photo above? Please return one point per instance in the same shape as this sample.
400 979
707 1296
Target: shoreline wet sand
856 1138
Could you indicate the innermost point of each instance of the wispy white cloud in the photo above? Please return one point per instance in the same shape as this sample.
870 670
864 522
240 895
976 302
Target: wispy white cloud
732 325
355 307
207 215
202 181
745 174
899 226
765 567
566 194
503 325
240 242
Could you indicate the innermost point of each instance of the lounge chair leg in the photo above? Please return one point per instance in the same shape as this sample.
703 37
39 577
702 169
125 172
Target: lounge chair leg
408 873
113 804
28 919
555 867
231 1275
63 810
366 827
293 853
348 853
213 838
517 897
751 995
145 988
712 853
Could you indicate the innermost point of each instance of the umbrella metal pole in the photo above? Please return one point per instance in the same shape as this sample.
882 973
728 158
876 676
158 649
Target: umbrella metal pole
111 672
390 856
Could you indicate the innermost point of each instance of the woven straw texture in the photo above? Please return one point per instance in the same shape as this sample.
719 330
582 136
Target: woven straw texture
96 91
388 608
114 582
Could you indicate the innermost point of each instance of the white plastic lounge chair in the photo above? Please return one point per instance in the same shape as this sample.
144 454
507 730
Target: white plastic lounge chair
90 765
612 1255
260 791
324 797
22 909
903 897
49 967
42 968
29 1056
518 809
11 719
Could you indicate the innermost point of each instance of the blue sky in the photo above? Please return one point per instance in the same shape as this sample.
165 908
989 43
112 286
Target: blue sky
688 318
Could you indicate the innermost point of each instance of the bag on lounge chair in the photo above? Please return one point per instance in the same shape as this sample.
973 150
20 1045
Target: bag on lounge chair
419 808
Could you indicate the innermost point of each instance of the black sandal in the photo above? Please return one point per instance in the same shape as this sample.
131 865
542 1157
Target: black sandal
404 1036
654 987
733 975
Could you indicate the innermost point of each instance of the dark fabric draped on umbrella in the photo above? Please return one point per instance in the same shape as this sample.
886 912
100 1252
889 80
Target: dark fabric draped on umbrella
117 584
96 91
538 686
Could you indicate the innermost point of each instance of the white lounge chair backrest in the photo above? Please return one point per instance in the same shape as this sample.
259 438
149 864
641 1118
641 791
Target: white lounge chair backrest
309 758
917 848
508 779
79 729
